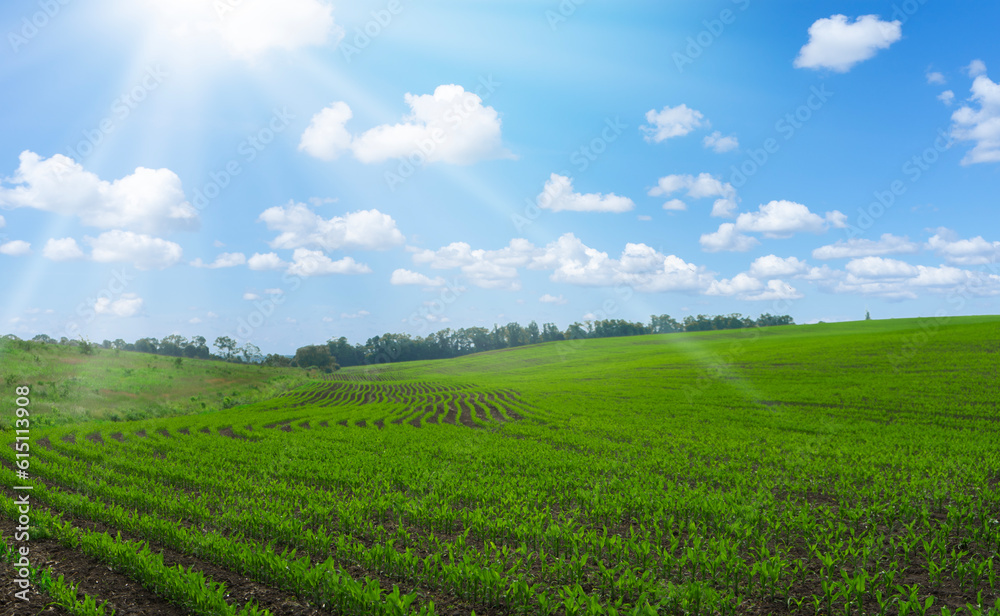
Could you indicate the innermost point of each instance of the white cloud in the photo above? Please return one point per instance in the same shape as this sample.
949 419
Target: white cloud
326 137
491 269
697 187
314 263
142 250
226 259
880 267
558 196
451 125
65 249
405 276
720 144
301 227
772 266
3 222
727 238
775 290
946 97
128 305
266 261
838 44
246 29
935 77
250 296
552 299
671 122
982 125
779 219
194 320
897 280
888 244
15 248
570 261
640 267
740 284
975 251
975 68
148 200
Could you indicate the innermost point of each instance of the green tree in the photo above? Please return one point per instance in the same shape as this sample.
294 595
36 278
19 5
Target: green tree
226 346
314 356
251 353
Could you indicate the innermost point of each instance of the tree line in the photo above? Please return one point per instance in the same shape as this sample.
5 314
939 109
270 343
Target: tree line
447 343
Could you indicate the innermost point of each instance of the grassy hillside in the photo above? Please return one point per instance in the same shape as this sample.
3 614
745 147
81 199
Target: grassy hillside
827 469
67 386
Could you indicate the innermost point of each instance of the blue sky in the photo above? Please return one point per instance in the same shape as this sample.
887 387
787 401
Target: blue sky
286 171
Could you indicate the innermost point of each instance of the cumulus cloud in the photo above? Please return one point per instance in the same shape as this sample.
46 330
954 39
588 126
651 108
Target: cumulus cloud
406 277
143 251
128 305
740 284
887 244
773 266
837 43
250 296
974 251
639 266
64 249
975 68
898 280
307 262
147 201
226 259
720 144
880 267
979 121
326 137
697 187
246 29
777 219
558 196
15 248
775 290
491 269
570 261
946 97
934 77
266 261
671 122
552 299
301 227
451 126
727 238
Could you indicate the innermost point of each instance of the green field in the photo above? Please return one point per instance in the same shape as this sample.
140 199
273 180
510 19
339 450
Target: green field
848 468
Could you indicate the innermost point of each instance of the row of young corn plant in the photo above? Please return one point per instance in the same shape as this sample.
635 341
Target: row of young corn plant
571 498
556 571
486 582
189 589
64 594
324 584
